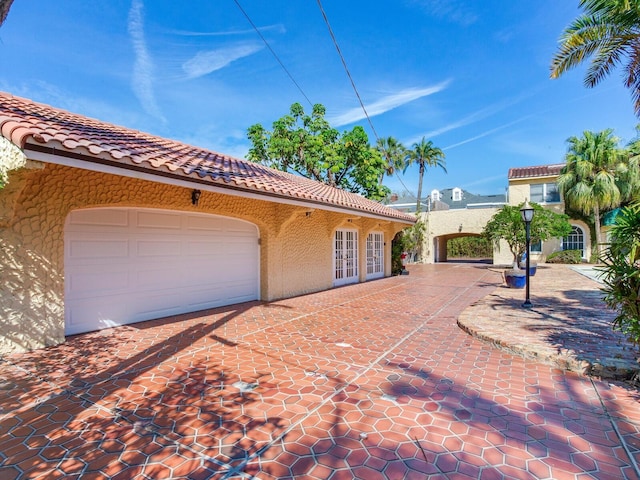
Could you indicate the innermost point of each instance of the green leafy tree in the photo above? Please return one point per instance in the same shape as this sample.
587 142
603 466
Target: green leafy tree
308 146
609 32
393 153
425 154
621 272
506 224
596 175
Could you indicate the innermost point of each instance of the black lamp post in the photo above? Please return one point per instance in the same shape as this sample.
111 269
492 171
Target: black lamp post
527 215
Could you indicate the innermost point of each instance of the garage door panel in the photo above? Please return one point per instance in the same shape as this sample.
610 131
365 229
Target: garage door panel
213 224
153 278
102 314
97 283
103 218
97 249
158 248
203 247
155 305
134 270
153 220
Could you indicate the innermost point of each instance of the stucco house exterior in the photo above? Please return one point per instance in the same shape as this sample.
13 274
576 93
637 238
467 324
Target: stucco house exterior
455 212
447 214
538 184
101 225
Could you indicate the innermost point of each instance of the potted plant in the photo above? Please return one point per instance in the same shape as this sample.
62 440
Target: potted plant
507 225
522 264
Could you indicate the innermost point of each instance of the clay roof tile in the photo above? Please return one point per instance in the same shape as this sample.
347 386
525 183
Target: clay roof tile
25 122
535 171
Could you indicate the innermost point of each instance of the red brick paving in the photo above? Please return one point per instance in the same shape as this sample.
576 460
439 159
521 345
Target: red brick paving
368 381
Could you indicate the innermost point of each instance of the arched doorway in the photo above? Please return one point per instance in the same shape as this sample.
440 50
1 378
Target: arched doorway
463 247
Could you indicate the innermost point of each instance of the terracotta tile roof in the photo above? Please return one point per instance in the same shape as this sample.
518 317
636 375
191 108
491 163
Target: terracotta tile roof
38 127
536 171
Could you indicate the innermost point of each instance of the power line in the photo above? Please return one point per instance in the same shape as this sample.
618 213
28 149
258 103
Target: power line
346 69
272 51
344 64
353 84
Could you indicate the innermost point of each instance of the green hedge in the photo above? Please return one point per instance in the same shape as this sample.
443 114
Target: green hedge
469 247
565 256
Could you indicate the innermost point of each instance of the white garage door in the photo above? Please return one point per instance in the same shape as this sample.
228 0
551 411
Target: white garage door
126 265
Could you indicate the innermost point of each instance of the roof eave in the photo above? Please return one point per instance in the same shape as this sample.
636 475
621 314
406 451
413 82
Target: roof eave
47 154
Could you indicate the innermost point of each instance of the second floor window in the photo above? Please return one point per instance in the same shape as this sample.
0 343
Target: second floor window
545 193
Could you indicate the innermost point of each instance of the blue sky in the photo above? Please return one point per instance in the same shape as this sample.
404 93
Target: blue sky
470 75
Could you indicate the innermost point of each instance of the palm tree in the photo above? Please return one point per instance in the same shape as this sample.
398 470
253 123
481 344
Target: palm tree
5 5
608 31
593 178
425 154
393 152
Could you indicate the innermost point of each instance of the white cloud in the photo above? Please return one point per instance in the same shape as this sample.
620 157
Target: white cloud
487 133
483 181
456 11
474 117
385 104
278 27
209 61
142 81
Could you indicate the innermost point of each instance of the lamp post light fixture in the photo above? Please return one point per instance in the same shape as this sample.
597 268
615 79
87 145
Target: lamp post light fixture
527 215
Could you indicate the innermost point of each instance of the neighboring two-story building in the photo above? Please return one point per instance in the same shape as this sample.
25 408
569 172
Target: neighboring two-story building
455 212
447 214
538 184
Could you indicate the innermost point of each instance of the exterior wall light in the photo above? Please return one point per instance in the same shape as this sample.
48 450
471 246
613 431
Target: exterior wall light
195 197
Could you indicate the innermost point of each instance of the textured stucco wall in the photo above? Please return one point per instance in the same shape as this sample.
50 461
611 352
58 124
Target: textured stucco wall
11 158
519 191
296 242
445 224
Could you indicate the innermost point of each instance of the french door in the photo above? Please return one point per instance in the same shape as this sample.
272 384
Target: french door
345 258
375 255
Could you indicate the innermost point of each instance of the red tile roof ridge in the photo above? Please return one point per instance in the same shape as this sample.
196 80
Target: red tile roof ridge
536 171
26 122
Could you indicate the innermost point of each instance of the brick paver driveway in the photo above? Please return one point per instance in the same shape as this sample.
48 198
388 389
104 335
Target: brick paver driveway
368 381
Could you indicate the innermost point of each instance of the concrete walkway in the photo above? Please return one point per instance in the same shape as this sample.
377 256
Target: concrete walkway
569 326
370 381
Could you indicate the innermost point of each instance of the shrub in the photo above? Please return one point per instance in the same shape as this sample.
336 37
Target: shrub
621 272
565 256
469 247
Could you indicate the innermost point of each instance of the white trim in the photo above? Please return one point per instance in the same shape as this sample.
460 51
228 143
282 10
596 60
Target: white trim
124 172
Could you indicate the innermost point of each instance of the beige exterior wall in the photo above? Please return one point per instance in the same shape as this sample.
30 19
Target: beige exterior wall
519 191
443 225
295 253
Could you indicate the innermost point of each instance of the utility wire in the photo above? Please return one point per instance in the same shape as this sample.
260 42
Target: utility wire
344 64
272 51
353 84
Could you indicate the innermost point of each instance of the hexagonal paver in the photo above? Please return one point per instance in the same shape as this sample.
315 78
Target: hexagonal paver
369 381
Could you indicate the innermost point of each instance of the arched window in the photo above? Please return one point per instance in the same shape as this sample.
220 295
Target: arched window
575 240
457 194
435 195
